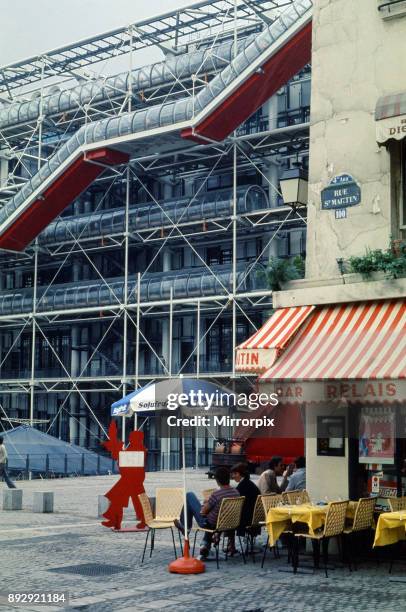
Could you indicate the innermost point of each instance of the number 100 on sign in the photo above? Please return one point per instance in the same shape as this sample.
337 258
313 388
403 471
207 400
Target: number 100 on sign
341 213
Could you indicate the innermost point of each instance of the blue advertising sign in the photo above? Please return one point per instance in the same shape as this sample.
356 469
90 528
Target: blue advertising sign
342 192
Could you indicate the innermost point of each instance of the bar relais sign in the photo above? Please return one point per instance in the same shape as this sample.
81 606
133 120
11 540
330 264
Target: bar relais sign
361 391
343 191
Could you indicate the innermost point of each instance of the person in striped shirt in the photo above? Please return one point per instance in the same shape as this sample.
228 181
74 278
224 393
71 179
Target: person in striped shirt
206 515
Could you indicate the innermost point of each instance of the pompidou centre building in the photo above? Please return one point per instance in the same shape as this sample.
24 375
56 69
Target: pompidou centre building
140 205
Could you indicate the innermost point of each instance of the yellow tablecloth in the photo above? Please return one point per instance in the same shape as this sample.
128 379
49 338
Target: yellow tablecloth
391 528
279 519
282 517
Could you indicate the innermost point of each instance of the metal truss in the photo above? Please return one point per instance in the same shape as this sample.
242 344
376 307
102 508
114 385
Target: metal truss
125 319
24 143
169 32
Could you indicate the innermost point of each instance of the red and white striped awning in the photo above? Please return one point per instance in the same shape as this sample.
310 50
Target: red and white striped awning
261 351
349 341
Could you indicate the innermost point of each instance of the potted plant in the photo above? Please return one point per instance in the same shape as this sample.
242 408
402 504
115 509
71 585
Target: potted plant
280 271
392 261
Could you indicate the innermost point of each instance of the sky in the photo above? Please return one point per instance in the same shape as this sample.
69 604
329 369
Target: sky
31 27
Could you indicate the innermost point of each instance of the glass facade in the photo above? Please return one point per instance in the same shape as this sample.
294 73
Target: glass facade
103 309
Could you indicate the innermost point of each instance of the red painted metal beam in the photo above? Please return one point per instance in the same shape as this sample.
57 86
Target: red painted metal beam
68 186
277 71
256 90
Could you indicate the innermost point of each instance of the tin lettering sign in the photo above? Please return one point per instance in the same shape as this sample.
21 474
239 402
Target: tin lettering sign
342 192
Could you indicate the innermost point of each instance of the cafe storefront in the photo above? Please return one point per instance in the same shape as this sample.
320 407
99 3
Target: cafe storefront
345 366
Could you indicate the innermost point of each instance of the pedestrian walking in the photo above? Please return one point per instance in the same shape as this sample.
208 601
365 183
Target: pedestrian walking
3 465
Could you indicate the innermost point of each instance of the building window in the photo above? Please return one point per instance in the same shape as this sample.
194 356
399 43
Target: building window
297 242
294 102
178 259
258 247
403 185
220 181
217 256
10 280
294 95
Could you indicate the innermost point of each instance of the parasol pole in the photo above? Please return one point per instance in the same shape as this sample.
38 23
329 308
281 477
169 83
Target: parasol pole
184 487
186 564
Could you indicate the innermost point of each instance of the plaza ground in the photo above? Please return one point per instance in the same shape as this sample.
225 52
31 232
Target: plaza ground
57 552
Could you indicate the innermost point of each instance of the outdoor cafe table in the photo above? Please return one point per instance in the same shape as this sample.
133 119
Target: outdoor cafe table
314 516
391 528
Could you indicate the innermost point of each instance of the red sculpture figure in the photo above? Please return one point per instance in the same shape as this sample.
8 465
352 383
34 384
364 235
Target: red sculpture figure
131 463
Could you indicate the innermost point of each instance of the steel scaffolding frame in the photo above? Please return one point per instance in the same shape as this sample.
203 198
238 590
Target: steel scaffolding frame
169 32
211 21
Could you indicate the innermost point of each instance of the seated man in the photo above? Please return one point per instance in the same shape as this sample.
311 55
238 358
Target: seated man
297 481
268 482
206 515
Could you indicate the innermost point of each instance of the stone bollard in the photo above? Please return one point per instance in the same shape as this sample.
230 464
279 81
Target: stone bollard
13 499
43 501
102 505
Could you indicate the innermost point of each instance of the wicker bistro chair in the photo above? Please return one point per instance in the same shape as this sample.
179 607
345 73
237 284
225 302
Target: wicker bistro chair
169 504
296 497
333 528
397 503
270 501
362 523
254 529
258 515
228 521
154 523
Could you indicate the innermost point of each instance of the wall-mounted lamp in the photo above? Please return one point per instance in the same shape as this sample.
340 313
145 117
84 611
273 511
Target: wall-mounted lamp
294 186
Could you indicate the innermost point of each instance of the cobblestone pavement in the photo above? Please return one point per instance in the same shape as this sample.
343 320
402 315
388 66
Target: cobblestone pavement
70 551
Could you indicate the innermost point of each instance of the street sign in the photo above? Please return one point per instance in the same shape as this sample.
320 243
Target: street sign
343 191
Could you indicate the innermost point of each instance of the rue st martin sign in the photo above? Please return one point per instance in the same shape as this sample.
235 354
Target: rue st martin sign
342 192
